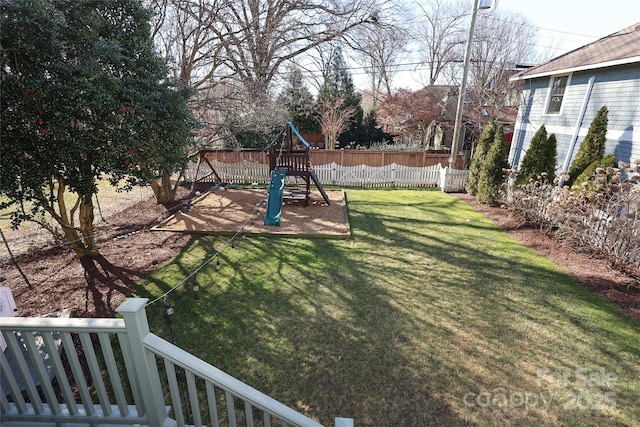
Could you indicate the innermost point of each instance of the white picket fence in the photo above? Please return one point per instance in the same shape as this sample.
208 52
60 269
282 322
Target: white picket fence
393 175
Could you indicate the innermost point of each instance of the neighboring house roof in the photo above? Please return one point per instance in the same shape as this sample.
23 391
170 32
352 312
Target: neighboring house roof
622 47
504 115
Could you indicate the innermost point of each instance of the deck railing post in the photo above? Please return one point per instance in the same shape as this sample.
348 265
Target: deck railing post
146 369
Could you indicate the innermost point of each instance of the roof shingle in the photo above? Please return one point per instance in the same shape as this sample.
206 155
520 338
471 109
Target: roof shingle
620 47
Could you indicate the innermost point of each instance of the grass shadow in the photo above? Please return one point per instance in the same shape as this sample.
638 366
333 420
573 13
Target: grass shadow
428 304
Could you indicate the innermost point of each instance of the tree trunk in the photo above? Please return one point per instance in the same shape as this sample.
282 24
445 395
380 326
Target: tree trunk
328 144
85 217
163 190
81 238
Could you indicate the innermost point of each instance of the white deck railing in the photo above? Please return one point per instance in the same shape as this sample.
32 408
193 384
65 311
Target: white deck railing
114 371
393 175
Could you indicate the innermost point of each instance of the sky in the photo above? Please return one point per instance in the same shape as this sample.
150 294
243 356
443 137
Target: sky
562 26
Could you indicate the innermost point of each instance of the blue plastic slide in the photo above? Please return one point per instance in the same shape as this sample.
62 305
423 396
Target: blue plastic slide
274 201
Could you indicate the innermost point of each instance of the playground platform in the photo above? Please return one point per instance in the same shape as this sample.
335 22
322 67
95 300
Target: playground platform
228 211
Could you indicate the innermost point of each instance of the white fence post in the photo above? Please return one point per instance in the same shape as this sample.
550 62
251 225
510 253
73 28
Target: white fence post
394 175
442 182
452 179
146 370
334 166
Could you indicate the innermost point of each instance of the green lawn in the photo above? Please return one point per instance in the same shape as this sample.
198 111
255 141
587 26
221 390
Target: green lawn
430 315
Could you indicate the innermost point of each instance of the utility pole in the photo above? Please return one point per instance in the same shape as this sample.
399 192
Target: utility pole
457 127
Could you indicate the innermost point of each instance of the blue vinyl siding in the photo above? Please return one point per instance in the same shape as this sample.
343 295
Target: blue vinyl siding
616 87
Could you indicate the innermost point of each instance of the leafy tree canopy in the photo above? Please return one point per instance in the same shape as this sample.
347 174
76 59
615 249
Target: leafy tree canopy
338 84
84 96
367 134
491 174
298 100
480 153
539 158
592 148
409 114
608 161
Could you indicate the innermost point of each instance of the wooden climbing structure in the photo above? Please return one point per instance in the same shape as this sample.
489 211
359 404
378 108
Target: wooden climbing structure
293 157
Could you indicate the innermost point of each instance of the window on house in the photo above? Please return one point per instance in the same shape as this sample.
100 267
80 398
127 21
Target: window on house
558 86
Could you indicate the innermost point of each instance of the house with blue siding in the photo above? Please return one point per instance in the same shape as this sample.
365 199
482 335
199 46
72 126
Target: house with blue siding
566 93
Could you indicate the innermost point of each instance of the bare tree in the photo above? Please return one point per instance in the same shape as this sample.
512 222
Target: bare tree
317 63
334 119
441 35
378 51
502 41
232 51
262 35
182 30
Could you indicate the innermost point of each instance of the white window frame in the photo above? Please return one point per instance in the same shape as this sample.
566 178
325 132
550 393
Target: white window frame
547 103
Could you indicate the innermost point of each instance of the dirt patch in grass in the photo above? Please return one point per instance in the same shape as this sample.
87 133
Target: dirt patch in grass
130 251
